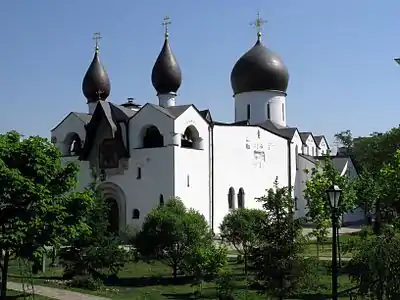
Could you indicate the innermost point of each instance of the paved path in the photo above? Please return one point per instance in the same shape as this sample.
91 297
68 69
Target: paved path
54 293
320 258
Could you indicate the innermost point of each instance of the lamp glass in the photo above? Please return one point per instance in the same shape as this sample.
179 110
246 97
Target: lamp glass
334 196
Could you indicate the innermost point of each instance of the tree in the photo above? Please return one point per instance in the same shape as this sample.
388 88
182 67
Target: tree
38 206
319 212
278 262
344 139
240 228
367 190
170 233
95 255
204 262
375 266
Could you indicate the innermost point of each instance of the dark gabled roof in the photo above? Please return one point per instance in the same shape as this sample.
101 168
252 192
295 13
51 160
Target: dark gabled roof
172 111
286 132
113 114
304 136
309 158
319 138
206 114
238 123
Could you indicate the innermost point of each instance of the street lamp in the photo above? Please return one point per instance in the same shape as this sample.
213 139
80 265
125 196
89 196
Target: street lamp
333 194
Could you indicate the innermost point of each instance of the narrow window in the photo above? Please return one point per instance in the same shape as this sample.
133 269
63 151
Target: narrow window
187 181
248 112
268 112
139 173
241 198
312 150
295 203
161 200
297 156
283 112
135 214
231 198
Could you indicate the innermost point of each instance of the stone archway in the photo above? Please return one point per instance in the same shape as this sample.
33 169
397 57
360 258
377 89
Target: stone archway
115 196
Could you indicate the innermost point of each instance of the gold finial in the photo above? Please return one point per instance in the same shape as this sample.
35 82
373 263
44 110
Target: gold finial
258 23
165 23
97 37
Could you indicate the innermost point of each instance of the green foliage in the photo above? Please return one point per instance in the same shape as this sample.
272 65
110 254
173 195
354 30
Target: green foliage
319 211
367 190
204 262
97 254
376 266
225 285
277 260
170 233
38 206
240 228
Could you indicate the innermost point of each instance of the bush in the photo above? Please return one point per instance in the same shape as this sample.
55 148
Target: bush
225 285
86 282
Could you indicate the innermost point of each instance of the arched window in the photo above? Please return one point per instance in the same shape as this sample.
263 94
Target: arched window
241 198
152 138
135 214
161 200
297 156
231 198
190 138
74 143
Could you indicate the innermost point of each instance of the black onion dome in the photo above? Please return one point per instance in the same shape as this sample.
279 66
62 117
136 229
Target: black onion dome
259 69
166 75
96 84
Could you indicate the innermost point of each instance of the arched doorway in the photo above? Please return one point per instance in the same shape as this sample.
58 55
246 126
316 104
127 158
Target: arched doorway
113 215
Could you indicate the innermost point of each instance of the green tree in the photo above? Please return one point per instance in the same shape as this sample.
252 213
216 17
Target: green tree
95 255
375 266
278 262
170 233
240 228
344 139
319 212
38 206
204 262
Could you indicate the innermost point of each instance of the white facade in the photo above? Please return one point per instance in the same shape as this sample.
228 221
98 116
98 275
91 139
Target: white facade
227 166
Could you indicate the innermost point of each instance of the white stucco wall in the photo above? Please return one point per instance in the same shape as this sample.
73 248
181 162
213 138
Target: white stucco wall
191 166
236 165
310 148
301 179
323 148
62 132
259 101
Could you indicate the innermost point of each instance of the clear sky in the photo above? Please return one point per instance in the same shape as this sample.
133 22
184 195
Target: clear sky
339 54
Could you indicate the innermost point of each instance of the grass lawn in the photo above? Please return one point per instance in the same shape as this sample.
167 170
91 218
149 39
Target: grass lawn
154 282
14 295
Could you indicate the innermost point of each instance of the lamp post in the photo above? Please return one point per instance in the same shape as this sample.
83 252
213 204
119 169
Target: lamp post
333 194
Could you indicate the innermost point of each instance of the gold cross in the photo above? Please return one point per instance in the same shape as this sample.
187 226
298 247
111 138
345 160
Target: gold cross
165 23
258 23
97 37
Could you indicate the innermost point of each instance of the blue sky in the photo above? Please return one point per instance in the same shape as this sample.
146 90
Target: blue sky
339 54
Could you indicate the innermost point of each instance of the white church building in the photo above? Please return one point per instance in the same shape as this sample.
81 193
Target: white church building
146 154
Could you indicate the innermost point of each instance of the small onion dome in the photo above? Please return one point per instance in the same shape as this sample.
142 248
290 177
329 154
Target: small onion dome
259 69
96 84
166 75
